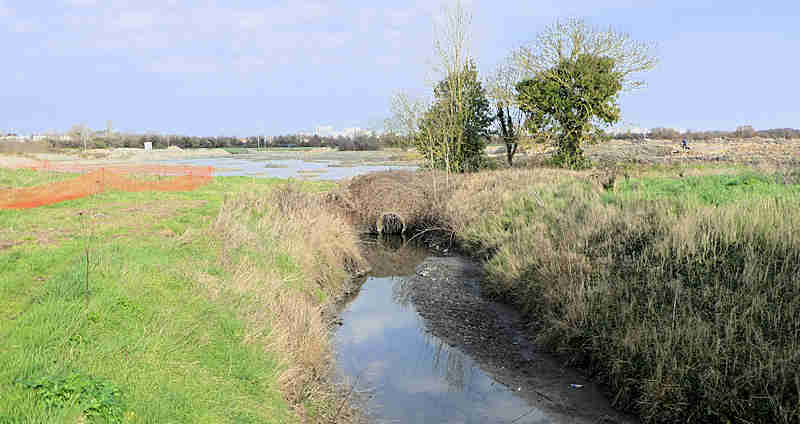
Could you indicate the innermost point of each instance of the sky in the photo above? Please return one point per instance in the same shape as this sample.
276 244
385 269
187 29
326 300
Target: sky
244 67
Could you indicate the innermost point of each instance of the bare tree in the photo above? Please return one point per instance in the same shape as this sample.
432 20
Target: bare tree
82 132
501 88
406 114
452 56
568 39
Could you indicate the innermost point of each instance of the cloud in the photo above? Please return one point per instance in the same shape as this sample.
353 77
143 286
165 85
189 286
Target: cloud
431 384
374 324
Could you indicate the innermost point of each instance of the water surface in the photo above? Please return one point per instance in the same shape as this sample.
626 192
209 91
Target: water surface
280 166
412 376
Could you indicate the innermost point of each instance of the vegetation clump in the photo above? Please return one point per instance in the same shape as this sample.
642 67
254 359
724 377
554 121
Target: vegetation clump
97 400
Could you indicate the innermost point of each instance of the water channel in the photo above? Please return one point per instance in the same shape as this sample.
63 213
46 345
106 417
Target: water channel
421 345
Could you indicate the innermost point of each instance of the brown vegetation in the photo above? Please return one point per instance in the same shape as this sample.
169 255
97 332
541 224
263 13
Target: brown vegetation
686 308
748 151
276 257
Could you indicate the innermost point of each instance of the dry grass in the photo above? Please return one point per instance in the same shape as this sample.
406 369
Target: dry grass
684 303
750 151
413 197
292 256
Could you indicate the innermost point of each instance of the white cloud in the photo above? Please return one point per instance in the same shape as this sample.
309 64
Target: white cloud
432 384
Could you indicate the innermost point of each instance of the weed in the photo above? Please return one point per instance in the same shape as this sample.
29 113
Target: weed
98 400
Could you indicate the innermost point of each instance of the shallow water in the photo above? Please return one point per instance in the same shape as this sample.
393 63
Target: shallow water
420 344
282 167
412 376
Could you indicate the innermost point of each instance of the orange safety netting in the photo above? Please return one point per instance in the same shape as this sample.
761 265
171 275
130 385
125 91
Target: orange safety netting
99 179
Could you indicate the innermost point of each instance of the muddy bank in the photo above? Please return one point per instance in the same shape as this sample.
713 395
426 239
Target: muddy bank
455 356
446 293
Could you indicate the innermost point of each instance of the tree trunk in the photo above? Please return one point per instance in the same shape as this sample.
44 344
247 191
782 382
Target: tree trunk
508 133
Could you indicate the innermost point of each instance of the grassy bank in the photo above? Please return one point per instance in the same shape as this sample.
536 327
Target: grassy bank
201 306
677 288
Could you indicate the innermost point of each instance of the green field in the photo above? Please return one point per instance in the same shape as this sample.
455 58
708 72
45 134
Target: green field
154 328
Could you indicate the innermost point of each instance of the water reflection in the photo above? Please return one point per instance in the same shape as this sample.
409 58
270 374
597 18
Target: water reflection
414 376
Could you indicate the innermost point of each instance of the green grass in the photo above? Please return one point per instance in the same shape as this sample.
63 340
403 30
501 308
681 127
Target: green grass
26 178
150 345
708 189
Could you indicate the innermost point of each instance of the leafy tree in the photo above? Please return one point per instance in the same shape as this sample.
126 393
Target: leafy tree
453 131
569 100
588 66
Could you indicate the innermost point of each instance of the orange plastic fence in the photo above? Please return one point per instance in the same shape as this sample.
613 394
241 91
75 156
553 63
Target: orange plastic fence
99 179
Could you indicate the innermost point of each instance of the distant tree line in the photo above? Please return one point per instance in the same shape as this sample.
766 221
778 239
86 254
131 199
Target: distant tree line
96 140
741 132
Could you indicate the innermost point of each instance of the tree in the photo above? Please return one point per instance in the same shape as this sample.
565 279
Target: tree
574 73
82 132
454 129
569 99
745 131
403 124
571 38
502 91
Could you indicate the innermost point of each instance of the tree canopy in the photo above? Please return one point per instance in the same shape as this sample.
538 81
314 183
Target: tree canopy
572 38
570 77
454 130
569 99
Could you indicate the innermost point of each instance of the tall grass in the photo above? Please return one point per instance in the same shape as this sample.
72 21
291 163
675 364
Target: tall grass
201 309
292 256
681 295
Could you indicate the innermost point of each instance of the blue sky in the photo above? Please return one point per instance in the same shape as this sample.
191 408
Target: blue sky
245 67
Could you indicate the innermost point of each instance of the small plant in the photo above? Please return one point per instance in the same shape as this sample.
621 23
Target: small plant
99 401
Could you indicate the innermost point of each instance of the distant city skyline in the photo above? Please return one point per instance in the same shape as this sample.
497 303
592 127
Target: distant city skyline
243 68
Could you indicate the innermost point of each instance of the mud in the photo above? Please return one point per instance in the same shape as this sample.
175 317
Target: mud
459 324
446 293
